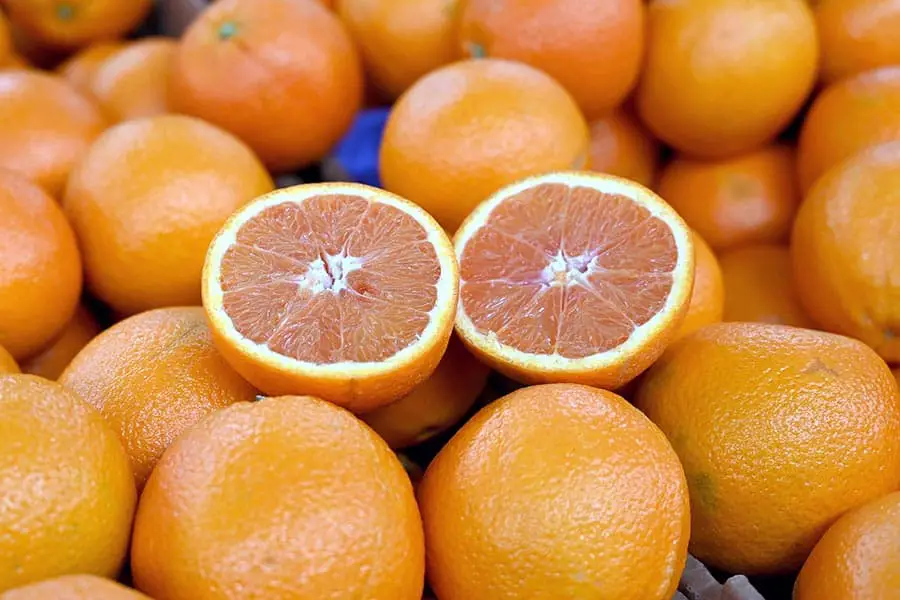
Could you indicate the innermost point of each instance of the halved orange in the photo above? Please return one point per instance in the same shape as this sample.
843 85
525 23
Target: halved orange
573 277
337 290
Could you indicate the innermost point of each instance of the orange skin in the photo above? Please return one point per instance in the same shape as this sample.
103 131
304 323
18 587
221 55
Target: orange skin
131 370
8 365
621 146
334 515
780 430
144 238
134 82
6 42
708 295
556 491
282 75
847 117
400 40
79 70
857 35
710 87
743 200
74 587
759 286
45 127
466 130
74 24
50 362
70 496
594 49
40 267
846 251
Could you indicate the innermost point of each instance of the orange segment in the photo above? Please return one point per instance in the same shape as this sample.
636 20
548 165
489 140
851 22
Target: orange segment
572 277
338 290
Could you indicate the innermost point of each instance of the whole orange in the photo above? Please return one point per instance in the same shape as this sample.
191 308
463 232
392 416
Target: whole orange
710 86
334 515
68 24
400 40
780 430
464 131
594 49
50 362
134 82
857 35
74 587
857 557
736 201
79 69
759 286
68 494
847 117
846 251
146 201
556 491
708 295
45 127
282 75
40 267
152 377
621 146
8 364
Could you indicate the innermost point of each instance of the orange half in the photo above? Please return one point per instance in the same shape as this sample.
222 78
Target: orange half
338 290
573 277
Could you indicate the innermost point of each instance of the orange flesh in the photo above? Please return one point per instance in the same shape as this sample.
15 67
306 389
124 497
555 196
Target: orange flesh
566 270
336 278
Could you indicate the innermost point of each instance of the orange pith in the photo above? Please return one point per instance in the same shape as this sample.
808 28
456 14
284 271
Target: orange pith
565 276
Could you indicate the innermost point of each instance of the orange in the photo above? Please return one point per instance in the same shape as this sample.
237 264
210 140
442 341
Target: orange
573 277
737 201
134 81
68 24
707 302
846 252
282 75
146 201
594 49
621 146
152 377
80 68
400 40
68 495
464 131
710 86
8 364
335 289
6 42
15 62
847 117
45 127
434 405
74 587
334 514
40 268
780 430
759 286
857 35
556 491
857 557
50 362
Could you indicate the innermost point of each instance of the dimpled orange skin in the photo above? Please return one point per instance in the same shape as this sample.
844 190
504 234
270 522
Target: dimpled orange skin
846 252
79 69
152 377
69 496
50 362
742 200
147 200
74 587
556 491
708 295
40 267
8 364
466 130
710 87
594 49
333 511
72 24
780 430
45 127
857 35
134 82
621 146
282 75
847 117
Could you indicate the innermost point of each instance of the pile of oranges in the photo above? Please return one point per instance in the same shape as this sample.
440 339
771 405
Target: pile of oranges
630 288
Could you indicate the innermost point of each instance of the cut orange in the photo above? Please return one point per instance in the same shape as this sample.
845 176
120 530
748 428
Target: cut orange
573 277
337 290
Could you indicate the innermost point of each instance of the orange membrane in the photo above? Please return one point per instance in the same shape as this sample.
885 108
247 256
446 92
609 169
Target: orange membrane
335 278
565 270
